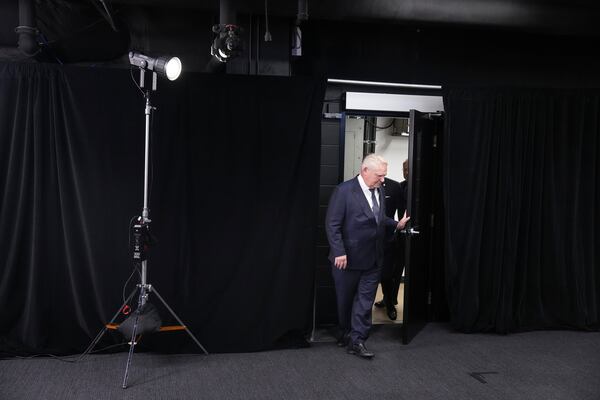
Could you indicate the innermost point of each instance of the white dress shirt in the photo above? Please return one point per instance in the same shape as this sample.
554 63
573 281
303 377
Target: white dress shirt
367 192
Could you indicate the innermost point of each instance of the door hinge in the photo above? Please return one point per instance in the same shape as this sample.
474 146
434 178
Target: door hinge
434 141
432 220
429 298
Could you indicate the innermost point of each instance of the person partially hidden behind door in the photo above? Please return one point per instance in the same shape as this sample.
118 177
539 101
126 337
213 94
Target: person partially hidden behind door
393 265
357 227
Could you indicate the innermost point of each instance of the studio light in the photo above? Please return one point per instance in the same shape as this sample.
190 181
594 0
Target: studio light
169 67
145 318
227 44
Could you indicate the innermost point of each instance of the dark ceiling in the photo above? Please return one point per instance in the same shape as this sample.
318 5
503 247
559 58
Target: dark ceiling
563 17
424 34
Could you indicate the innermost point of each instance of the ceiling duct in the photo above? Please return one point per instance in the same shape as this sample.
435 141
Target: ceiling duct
67 31
26 31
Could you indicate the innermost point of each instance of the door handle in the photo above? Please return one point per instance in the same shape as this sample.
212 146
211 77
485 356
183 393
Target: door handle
410 231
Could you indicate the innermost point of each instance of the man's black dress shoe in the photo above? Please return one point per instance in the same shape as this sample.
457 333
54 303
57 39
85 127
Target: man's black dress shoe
380 304
343 340
360 350
392 313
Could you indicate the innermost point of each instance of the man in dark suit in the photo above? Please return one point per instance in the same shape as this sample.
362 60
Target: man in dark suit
357 226
393 266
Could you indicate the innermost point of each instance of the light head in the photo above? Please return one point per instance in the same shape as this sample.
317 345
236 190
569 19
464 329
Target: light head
170 67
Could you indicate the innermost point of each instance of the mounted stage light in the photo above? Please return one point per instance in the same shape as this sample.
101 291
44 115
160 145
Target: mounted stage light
165 66
227 44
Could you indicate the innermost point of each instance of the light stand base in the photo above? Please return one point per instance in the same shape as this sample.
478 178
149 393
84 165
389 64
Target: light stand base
145 290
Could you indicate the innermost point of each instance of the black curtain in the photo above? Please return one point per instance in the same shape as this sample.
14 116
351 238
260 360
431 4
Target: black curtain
522 190
233 203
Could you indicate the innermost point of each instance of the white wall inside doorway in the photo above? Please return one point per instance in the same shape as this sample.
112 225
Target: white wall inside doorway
392 146
353 146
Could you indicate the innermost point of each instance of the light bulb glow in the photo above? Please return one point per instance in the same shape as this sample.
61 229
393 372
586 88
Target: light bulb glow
173 68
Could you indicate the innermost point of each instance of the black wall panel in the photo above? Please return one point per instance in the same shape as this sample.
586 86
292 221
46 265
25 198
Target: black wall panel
330 172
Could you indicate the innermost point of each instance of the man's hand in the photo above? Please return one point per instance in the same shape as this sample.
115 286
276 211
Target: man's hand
402 222
340 262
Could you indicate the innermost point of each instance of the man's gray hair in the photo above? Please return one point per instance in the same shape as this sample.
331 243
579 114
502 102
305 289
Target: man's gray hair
373 161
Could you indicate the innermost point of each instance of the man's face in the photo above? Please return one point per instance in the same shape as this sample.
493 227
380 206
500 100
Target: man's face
405 169
373 177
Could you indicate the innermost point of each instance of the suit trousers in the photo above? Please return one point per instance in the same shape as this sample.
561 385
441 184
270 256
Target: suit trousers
393 266
355 293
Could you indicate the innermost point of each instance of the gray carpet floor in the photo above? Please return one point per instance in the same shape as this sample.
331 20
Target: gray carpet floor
438 364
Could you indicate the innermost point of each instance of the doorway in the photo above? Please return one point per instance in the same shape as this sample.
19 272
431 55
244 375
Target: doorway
388 136
354 123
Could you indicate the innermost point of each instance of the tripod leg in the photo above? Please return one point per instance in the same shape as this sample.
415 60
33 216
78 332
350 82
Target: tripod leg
130 355
103 331
132 343
179 320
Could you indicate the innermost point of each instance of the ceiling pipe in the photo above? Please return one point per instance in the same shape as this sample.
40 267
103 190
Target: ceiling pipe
26 31
268 37
302 11
297 31
227 12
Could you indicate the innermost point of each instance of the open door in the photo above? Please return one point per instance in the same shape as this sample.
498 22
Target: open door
423 129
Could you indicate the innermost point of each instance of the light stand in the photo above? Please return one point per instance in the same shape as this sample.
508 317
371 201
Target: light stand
141 239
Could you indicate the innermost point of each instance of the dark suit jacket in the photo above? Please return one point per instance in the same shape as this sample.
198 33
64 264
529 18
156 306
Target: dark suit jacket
394 200
352 229
395 197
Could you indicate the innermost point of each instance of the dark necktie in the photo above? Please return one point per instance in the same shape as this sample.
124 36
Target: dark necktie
375 205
